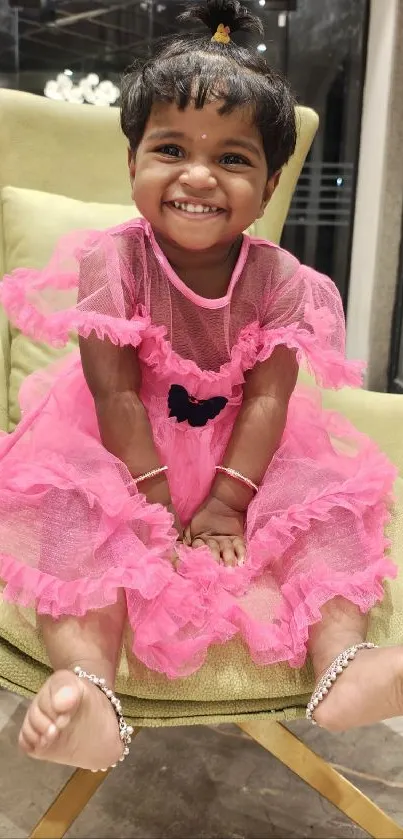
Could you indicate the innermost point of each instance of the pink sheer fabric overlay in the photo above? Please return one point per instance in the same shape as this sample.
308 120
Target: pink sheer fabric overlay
73 526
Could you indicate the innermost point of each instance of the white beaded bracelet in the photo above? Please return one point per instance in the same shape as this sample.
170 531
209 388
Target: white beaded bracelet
233 473
332 673
125 731
152 474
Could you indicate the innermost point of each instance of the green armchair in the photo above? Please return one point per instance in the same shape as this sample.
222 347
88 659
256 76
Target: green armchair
46 190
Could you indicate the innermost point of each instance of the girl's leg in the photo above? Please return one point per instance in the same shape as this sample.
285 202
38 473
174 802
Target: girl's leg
371 687
70 720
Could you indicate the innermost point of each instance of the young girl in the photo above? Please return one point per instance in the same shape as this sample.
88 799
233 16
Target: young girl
171 475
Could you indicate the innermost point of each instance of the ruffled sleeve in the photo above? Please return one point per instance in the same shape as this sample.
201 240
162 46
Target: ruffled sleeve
87 286
304 312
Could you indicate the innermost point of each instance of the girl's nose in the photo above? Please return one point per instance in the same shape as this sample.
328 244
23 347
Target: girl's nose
198 176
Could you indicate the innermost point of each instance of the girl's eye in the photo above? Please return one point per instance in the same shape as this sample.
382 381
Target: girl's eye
170 150
234 160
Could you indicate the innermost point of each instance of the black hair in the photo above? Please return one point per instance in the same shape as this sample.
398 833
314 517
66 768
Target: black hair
196 70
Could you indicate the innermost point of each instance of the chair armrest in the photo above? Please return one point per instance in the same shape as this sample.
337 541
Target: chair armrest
380 415
3 394
4 371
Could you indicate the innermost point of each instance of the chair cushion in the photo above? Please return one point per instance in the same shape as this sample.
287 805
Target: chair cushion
32 223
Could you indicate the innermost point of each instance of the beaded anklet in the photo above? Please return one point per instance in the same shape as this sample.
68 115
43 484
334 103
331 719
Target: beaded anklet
125 731
332 673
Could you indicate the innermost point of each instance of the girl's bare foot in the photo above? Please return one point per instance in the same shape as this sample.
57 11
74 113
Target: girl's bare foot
71 721
369 690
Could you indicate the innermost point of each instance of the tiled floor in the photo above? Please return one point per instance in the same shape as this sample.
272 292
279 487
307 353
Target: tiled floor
204 783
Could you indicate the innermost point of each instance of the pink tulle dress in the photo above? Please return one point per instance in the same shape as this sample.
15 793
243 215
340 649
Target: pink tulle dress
73 526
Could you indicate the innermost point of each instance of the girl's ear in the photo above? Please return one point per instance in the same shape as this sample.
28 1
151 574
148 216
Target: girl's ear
131 162
269 189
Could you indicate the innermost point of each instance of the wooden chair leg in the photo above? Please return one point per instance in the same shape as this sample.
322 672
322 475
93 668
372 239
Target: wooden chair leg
70 802
291 751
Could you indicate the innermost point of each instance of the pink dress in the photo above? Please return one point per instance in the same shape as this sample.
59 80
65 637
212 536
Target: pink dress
73 527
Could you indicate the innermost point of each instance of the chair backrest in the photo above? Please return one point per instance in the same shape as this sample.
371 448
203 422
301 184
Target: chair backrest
79 151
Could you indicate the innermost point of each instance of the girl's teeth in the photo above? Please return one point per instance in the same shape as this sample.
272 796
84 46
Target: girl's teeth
194 208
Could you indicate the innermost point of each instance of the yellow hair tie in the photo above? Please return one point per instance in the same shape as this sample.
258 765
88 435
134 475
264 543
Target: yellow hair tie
222 34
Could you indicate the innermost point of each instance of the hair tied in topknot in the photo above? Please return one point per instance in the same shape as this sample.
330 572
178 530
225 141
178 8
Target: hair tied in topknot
222 34
194 70
218 15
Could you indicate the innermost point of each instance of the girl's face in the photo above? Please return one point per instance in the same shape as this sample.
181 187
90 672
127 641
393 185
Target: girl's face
200 178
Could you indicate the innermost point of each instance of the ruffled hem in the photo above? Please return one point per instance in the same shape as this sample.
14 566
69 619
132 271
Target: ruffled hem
177 615
29 586
157 353
290 633
328 365
56 328
285 637
164 642
373 481
214 616
371 485
215 591
147 568
254 343
364 589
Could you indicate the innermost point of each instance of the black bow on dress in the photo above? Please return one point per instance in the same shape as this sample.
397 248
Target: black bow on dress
197 412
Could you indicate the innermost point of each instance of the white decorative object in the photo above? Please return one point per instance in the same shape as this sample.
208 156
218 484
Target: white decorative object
89 89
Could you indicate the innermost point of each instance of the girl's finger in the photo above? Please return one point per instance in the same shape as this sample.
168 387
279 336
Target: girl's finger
228 555
214 547
187 539
198 542
239 549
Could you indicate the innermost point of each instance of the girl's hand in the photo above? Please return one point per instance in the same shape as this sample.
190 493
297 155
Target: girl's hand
221 528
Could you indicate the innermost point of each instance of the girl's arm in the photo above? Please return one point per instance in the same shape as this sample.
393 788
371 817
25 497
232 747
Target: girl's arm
219 521
259 426
113 376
